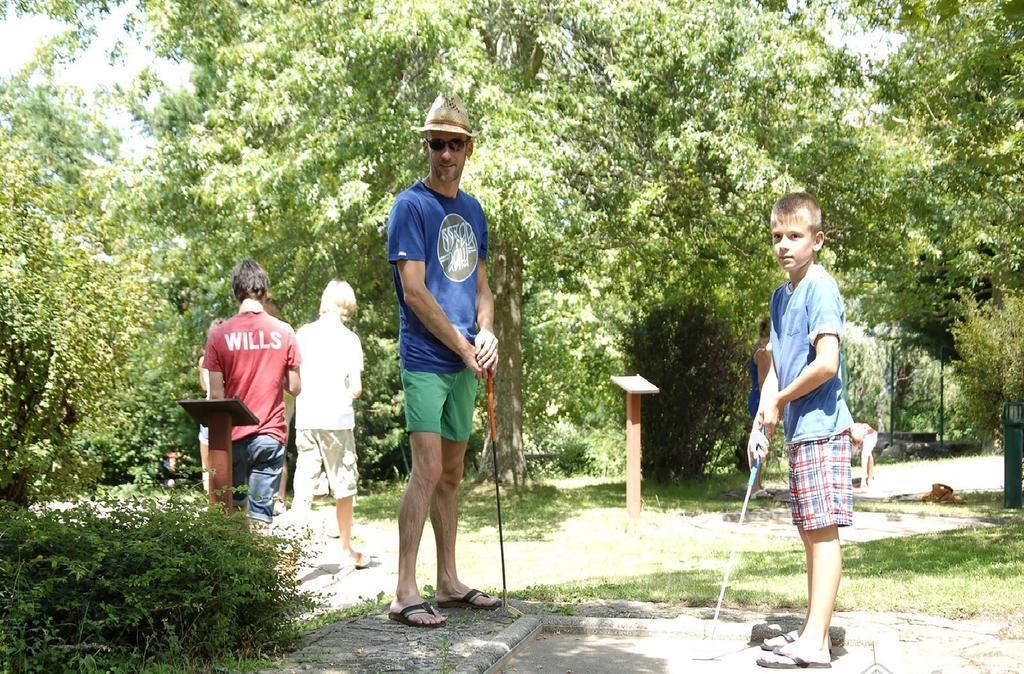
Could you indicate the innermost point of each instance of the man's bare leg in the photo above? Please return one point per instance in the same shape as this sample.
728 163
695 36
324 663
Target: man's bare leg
412 514
444 517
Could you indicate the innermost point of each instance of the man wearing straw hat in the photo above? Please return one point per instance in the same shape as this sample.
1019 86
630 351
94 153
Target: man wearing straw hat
437 245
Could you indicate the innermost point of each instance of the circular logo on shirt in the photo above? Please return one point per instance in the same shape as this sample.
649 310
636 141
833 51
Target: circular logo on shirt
456 248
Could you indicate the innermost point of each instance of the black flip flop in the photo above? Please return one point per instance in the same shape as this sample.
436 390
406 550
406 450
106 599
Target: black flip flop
403 616
467 602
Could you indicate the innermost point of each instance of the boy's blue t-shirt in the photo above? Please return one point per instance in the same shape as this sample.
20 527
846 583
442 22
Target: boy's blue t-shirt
799 316
450 237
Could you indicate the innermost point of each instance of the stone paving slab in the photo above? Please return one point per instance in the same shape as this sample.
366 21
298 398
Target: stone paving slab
658 638
475 641
664 654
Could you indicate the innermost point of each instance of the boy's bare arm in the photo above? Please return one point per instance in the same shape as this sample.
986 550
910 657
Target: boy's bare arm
763 362
769 410
216 385
355 384
202 379
292 382
822 368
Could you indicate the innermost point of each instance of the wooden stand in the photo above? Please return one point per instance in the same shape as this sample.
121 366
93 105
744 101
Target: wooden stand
634 387
220 416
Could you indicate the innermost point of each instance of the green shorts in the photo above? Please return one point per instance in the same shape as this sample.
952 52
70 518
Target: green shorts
440 403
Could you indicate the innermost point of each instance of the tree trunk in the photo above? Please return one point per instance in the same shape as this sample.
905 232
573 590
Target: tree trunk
16 490
505 273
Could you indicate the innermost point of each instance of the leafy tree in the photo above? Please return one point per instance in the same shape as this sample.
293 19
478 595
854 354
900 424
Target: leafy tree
69 310
951 97
630 141
991 370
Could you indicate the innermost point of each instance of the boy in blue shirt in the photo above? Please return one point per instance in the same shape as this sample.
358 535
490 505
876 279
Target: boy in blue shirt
803 387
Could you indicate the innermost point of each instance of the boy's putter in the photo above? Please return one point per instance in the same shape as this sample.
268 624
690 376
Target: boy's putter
513 611
758 444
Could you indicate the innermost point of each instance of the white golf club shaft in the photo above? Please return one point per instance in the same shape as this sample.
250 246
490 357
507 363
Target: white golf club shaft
735 542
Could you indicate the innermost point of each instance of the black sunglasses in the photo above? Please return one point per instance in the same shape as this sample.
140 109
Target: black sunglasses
454 144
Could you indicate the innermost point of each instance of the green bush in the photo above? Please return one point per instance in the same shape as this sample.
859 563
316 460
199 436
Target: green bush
990 341
578 451
70 309
122 585
700 366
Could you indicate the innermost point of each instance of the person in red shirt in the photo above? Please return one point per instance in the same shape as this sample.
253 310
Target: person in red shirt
255 357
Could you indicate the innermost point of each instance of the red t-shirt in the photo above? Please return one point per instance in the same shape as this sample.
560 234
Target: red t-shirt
254 352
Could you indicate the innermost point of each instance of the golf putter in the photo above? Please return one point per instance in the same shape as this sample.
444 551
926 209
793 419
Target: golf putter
513 611
758 444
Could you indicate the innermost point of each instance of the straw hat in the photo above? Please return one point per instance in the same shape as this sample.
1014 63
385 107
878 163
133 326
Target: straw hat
447 114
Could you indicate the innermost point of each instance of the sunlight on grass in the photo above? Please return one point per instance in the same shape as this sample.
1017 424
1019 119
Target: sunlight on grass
571 541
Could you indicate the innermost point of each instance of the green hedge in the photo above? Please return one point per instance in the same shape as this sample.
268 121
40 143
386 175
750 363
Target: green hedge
699 364
117 586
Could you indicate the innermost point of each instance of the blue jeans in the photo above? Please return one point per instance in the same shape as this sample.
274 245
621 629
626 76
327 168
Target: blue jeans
256 462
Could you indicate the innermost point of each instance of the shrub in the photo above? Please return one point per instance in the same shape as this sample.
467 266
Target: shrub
578 451
700 366
69 311
122 585
990 341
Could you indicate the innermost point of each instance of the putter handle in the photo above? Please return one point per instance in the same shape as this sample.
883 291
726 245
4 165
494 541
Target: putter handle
757 459
490 406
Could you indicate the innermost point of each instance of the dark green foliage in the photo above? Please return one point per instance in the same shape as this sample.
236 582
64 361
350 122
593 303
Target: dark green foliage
124 584
700 366
577 451
380 419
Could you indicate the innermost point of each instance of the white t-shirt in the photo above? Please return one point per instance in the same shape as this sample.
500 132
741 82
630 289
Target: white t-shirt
330 354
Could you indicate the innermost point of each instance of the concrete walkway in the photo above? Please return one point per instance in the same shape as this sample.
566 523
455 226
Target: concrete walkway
968 473
657 638
623 637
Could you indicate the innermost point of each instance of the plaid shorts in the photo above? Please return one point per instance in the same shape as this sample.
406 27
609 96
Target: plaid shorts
821 482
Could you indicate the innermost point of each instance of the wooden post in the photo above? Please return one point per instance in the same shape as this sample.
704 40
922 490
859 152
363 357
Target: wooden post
220 416
633 475
220 426
634 387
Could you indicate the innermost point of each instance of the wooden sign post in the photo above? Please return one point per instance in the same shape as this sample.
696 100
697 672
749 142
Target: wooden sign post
634 387
220 416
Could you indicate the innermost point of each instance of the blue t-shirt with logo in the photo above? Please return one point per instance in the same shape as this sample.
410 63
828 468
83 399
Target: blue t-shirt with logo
799 316
449 236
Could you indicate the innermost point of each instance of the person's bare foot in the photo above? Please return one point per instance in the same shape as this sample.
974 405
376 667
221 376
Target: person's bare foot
798 654
457 592
356 559
772 643
414 618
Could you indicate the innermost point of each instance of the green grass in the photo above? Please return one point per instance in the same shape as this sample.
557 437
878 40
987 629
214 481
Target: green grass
571 541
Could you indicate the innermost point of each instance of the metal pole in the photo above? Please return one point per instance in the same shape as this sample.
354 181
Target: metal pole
1013 448
942 397
892 395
